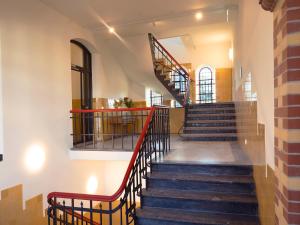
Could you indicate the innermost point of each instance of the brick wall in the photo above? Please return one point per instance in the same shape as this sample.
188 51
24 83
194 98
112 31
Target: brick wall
287 111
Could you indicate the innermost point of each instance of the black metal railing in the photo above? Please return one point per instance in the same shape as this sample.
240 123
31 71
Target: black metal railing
120 208
166 65
107 129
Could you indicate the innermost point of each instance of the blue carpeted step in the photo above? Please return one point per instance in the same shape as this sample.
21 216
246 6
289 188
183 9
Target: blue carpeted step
191 117
211 111
210 123
212 169
201 182
200 201
210 137
159 216
209 130
211 105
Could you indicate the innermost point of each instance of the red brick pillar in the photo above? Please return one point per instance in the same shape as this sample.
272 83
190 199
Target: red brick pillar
287 111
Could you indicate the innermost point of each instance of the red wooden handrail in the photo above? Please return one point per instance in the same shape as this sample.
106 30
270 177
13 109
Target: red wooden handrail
109 110
118 193
169 54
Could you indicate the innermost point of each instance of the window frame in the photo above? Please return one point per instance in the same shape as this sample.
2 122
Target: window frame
205 86
157 96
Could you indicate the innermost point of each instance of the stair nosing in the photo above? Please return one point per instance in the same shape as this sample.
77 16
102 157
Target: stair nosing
199 195
210 114
210 135
211 128
186 216
210 121
201 164
201 177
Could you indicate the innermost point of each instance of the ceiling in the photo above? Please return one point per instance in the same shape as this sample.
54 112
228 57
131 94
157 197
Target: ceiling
132 17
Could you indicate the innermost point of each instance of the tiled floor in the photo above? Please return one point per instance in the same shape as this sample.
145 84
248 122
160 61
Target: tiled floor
205 152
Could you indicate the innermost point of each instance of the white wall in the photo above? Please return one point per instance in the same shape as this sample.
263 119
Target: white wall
133 54
255 54
111 80
212 53
36 76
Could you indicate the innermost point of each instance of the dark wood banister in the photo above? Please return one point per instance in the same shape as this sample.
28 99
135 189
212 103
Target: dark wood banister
118 193
173 59
173 62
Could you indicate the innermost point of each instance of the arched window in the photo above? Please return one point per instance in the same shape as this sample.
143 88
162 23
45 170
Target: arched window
205 85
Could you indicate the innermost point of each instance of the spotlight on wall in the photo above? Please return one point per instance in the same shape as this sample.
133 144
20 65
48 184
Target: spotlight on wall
92 185
230 54
111 30
35 158
198 16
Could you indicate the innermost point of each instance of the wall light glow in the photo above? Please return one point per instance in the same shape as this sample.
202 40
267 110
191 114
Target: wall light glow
92 185
198 16
230 54
35 158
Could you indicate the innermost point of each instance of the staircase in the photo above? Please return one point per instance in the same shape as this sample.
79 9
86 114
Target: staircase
210 122
185 194
169 72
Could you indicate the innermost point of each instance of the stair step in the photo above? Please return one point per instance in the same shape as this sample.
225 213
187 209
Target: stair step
212 169
202 182
210 137
212 105
209 130
170 87
200 201
159 216
191 117
210 123
202 177
210 111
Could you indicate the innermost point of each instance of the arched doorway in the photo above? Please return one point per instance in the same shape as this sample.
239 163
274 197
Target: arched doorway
205 85
81 67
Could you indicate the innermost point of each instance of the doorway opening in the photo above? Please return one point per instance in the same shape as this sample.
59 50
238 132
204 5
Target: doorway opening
205 85
81 67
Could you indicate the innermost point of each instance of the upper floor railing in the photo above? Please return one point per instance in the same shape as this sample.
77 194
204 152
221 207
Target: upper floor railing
119 208
107 129
164 63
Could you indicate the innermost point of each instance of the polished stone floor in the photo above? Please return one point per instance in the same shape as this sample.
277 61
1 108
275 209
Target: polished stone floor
181 151
205 152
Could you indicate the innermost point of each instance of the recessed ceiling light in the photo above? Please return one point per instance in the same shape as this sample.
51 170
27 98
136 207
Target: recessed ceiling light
198 16
111 30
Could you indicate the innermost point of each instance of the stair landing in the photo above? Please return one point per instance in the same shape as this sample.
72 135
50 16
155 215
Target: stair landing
211 152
